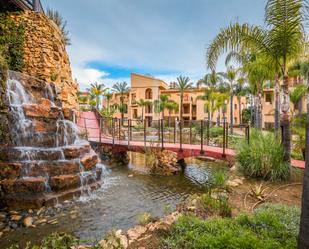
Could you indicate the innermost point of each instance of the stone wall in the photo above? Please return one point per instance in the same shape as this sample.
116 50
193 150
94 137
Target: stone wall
45 55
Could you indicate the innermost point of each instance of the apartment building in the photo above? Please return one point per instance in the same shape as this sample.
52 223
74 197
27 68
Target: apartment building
149 88
268 104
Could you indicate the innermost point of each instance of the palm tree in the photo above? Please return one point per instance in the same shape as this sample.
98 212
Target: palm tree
303 239
82 99
96 91
161 103
281 41
256 70
122 88
142 103
240 91
171 106
231 76
108 97
183 84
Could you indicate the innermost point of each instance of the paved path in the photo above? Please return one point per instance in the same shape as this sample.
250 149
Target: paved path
88 120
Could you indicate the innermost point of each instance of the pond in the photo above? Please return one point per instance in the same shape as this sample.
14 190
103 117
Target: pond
127 192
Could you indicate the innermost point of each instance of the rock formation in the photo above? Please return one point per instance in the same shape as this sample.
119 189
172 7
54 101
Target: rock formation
43 158
45 55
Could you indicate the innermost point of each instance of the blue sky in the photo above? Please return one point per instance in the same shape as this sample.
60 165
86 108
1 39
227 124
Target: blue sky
162 38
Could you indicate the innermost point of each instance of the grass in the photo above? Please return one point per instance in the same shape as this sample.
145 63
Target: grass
271 226
263 157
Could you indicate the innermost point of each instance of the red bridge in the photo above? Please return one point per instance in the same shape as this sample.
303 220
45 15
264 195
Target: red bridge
90 123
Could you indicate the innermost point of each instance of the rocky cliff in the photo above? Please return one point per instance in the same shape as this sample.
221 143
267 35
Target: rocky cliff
45 55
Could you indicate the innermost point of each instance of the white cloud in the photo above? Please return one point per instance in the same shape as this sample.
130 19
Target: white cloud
86 76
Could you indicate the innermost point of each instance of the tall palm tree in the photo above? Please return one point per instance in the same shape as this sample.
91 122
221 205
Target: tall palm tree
122 88
171 106
303 239
231 76
183 84
108 97
161 103
281 40
240 91
96 90
143 103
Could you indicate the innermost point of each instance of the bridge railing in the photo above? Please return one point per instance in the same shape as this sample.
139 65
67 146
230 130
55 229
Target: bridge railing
162 132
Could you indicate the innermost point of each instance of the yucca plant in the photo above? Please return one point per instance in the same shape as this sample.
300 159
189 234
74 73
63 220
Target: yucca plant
263 157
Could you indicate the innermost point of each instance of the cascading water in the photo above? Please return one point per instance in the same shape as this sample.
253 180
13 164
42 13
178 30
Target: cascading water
53 156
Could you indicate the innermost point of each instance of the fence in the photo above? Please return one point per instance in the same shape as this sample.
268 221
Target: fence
196 132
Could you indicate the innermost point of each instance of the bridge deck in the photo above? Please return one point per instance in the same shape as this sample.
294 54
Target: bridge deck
89 122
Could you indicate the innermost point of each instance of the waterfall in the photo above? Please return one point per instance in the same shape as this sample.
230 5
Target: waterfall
43 139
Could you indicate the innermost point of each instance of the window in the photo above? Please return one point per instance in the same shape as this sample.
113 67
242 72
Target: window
268 98
235 106
133 98
134 113
148 109
148 93
186 109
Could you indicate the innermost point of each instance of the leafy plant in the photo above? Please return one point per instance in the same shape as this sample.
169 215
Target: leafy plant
271 226
11 43
263 157
56 17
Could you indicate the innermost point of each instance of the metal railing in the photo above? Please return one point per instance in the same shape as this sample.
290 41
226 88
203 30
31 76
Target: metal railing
161 132
34 5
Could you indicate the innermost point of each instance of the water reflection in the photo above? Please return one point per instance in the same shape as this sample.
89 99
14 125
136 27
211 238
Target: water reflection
121 199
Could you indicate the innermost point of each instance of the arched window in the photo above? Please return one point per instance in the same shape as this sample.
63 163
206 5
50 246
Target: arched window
148 93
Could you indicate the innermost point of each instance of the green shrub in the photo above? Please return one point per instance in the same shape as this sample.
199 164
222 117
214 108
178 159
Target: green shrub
216 205
11 43
271 227
215 131
262 157
54 241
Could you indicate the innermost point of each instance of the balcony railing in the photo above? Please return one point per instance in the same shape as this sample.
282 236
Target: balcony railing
34 5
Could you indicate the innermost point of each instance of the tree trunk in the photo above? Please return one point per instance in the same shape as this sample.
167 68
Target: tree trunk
260 111
231 113
277 112
122 111
180 124
285 121
169 119
218 117
256 113
303 238
239 108
142 112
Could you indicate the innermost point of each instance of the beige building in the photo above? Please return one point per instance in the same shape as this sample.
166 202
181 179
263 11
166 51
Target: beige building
268 104
149 88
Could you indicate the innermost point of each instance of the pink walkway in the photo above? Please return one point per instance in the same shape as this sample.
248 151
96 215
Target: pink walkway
89 123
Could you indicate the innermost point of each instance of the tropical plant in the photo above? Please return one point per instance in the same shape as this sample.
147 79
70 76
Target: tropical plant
121 88
271 226
143 103
82 99
280 42
263 157
232 78
96 91
171 106
56 17
108 96
296 96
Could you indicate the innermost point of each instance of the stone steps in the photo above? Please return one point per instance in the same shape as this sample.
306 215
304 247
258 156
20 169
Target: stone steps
17 201
51 168
24 185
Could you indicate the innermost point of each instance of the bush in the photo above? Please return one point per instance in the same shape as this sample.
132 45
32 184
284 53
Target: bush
11 43
216 206
272 226
262 157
